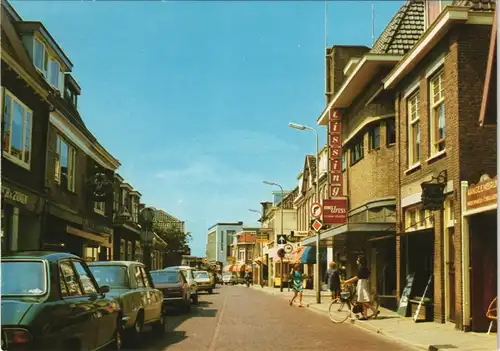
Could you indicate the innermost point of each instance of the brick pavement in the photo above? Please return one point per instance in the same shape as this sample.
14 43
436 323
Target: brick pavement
238 318
392 326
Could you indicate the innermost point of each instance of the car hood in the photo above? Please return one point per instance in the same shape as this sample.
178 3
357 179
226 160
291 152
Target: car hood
13 311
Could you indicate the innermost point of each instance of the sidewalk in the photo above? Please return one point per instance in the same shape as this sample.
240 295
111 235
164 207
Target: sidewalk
425 336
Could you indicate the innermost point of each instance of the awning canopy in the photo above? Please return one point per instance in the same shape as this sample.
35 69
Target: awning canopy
238 268
228 268
309 255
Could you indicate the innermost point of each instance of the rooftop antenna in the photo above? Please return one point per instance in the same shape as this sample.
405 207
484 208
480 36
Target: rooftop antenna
373 24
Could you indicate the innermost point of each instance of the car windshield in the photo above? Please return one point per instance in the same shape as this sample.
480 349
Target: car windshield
27 278
202 275
114 276
165 277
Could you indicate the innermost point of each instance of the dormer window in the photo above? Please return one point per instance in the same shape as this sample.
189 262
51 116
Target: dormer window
71 91
47 65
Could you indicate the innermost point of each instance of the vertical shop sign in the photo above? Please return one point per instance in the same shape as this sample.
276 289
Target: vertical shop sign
335 141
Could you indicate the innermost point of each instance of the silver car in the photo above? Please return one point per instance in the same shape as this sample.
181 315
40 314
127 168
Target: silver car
204 281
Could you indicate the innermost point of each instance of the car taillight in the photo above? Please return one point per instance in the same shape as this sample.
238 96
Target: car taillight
17 336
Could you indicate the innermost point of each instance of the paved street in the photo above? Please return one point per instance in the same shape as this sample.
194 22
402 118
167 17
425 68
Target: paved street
238 318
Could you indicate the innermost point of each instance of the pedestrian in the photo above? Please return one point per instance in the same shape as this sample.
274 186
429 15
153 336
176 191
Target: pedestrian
297 278
332 279
362 288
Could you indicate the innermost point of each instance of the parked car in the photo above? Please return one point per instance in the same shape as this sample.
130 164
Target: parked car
205 282
175 288
228 278
188 274
131 286
51 301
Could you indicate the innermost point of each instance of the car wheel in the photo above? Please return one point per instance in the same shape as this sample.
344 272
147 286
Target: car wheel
210 291
195 299
136 330
159 326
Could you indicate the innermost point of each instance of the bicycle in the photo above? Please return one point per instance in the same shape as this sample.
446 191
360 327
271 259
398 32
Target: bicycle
346 306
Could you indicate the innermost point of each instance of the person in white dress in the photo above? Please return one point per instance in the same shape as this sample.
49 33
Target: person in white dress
363 289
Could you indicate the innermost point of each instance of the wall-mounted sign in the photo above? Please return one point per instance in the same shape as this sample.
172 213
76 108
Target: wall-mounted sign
100 183
482 194
335 211
14 195
335 143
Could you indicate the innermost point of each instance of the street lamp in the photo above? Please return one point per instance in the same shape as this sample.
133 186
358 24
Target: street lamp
302 127
282 196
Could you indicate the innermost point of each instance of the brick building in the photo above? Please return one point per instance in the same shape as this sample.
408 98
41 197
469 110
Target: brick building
368 134
438 87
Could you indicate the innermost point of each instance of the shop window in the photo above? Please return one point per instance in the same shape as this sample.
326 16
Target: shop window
390 132
91 253
374 137
130 255
123 257
357 151
417 218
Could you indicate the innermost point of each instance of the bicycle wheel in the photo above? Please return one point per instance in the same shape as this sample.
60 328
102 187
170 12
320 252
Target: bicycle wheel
339 311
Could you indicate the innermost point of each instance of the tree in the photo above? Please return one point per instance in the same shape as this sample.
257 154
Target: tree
176 240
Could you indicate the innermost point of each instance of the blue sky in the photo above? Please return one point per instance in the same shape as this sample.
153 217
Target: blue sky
194 98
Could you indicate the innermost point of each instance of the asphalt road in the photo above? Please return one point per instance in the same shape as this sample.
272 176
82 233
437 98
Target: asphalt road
240 318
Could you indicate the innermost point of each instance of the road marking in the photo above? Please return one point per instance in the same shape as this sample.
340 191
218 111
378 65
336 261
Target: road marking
217 327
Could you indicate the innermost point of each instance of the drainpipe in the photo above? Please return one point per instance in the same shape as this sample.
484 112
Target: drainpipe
398 194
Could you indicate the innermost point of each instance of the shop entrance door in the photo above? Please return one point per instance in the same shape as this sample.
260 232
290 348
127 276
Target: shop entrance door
451 274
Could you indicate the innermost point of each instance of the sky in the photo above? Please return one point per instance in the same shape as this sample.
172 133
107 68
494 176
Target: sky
194 98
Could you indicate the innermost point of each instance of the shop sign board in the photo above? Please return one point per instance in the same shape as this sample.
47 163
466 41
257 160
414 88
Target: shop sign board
335 211
482 194
335 143
14 195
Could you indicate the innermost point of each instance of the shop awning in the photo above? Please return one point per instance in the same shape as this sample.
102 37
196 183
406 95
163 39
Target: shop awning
297 254
238 268
309 255
326 238
101 240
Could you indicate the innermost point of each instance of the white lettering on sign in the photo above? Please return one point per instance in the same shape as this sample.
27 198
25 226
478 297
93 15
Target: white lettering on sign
13 195
335 209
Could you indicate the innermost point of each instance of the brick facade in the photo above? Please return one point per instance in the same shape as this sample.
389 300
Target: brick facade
470 150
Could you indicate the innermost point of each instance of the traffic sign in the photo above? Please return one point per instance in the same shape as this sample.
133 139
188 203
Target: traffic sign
281 239
281 253
317 225
316 210
288 248
293 239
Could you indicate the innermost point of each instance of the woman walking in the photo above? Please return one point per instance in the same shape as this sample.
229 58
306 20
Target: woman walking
297 278
362 288
332 279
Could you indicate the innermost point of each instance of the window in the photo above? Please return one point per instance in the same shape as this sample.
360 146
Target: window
100 207
135 210
116 204
414 129
39 57
71 280
122 250
357 151
145 277
16 130
249 254
88 285
374 137
65 164
62 284
129 251
390 131
54 74
344 162
138 277
241 255
138 251
437 116
124 198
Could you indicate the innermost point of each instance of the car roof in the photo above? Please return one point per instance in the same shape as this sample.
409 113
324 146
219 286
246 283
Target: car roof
115 263
51 256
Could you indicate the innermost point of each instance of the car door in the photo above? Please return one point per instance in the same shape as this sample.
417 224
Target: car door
154 296
82 320
105 309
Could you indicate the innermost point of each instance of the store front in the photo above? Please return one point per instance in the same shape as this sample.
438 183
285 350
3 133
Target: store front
21 219
480 245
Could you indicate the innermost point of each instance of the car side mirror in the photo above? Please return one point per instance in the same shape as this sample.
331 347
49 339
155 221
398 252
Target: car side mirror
103 289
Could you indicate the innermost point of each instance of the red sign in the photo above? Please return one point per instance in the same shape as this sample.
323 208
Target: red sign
316 210
335 211
317 225
335 143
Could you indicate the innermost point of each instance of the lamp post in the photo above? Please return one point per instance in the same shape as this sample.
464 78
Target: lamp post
282 196
317 281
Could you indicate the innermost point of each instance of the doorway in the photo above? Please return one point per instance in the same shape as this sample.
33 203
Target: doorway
450 263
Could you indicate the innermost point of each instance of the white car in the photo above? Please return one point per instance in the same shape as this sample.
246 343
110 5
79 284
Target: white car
228 278
204 281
